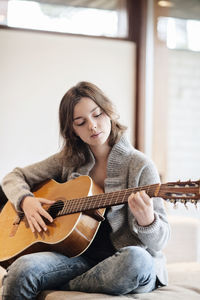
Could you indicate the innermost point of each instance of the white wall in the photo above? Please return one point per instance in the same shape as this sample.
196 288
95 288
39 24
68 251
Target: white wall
184 115
183 130
36 69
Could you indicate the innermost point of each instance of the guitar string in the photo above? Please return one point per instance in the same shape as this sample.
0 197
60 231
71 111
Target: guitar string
87 200
193 201
76 204
95 201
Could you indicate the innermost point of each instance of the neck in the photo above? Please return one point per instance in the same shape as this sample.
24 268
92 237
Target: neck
102 200
101 152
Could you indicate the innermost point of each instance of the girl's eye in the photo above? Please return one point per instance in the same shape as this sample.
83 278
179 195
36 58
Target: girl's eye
98 115
80 124
95 116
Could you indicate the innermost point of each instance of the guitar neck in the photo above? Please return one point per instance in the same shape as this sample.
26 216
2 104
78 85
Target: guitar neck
105 200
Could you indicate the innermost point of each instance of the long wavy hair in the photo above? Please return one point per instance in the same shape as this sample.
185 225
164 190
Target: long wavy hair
76 152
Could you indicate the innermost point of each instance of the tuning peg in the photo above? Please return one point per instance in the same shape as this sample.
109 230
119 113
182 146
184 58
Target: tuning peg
184 202
195 203
175 204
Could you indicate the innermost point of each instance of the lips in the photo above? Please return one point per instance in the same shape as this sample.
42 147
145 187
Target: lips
95 135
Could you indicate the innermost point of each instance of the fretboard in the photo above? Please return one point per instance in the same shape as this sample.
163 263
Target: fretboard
103 200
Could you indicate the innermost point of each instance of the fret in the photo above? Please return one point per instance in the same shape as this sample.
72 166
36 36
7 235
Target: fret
148 190
102 200
120 197
117 199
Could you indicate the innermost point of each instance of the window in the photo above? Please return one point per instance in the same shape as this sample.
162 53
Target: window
63 16
182 34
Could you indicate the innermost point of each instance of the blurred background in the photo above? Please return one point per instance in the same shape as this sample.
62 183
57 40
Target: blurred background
144 54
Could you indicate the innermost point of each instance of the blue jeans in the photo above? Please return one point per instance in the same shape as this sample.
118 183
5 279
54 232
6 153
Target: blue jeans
130 270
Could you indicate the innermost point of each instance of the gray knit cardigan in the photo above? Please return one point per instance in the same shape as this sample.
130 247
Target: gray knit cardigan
127 167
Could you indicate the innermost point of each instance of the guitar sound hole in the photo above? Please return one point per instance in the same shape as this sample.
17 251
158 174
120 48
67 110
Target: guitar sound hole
55 208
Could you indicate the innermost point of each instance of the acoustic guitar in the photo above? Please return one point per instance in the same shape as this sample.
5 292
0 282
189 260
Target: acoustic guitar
77 213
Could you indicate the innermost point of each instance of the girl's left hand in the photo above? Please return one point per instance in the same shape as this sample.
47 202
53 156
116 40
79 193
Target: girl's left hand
141 206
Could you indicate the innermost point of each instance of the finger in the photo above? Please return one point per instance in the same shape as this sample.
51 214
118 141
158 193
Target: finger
40 223
145 197
46 201
46 215
136 201
136 198
131 203
142 197
131 198
31 225
35 224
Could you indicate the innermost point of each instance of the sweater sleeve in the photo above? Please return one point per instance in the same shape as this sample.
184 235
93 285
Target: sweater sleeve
156 235
19 183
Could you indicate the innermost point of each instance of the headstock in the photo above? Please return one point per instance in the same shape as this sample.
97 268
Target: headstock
181 191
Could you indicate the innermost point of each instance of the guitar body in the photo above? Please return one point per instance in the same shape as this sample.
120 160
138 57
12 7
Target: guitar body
78 209
69 234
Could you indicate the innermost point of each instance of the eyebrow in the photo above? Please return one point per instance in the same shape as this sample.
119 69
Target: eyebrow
90 112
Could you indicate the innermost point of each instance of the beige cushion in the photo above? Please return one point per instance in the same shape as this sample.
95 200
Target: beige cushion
183 245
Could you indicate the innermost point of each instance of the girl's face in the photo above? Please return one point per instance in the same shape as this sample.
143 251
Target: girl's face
90 123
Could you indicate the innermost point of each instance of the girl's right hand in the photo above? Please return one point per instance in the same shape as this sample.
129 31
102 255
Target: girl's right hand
34 212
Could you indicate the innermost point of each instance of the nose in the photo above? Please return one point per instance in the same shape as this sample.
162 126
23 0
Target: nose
92 124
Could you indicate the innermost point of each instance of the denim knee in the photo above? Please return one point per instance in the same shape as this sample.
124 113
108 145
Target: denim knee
21 273
121 273
136 259
21 267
